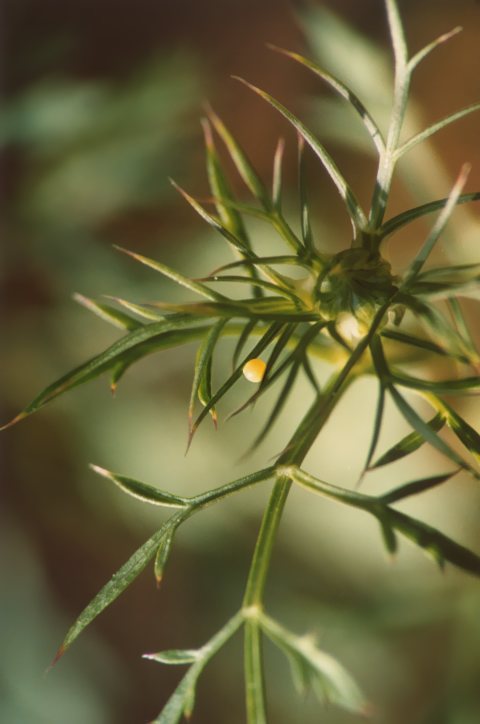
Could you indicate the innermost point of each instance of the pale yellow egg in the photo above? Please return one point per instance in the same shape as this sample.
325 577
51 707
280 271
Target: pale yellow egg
254 370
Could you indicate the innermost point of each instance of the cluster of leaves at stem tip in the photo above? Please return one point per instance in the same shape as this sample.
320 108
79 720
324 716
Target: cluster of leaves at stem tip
349 309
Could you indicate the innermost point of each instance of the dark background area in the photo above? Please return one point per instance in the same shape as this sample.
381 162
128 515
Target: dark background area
101 102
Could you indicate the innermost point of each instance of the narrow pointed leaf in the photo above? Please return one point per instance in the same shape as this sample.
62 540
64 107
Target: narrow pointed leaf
434 543
440 329
354 209
389 537
108 313
267 338
420 343
306 227
178 329
414 419
377 425
467 435
240 159
421 257
147 311
296 357
416 487
342 90
262 261
441 386
175 276
163 552
201 385
406 217
214 222
461 323
407 445
175 657
278 406
294 361
142 491
277 174
256 282
230 218
182 700
418 57
277 309
242 340
115 586
328 678
428 132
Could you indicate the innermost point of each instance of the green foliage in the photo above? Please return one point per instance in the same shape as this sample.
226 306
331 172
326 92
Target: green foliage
343 308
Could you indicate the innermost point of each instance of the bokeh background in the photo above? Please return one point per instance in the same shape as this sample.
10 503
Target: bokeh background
101 102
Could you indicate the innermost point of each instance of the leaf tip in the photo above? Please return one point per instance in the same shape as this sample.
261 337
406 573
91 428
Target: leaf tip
207 133
191 433
61 650
99 470
14 421
214 417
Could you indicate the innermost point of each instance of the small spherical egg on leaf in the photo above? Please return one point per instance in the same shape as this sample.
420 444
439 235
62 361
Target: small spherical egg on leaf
254 370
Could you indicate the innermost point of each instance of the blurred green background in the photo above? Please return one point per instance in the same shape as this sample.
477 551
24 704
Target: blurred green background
101 102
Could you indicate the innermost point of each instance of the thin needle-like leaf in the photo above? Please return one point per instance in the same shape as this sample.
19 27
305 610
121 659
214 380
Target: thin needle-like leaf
420 343
267 338
175 276
214 222
418 57
277 175
414 419
142 491
354 209
467 435
182 700
108 313
408 444
305 224
461 323
220 188
147 311
432 541
342 91
116 585
377 425
428 132
421 257
416 487
178 329
242 340
406 217
256 282
201 385
243 165
329 680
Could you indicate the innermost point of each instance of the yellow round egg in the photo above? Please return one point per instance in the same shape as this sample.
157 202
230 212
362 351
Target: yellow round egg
254 370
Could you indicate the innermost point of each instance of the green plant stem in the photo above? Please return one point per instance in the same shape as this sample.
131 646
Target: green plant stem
294 454
401 90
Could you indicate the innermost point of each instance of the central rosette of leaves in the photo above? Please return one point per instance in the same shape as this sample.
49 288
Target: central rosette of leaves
353 285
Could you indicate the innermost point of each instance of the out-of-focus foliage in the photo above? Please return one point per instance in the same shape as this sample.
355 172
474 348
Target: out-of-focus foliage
96 148
418 634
